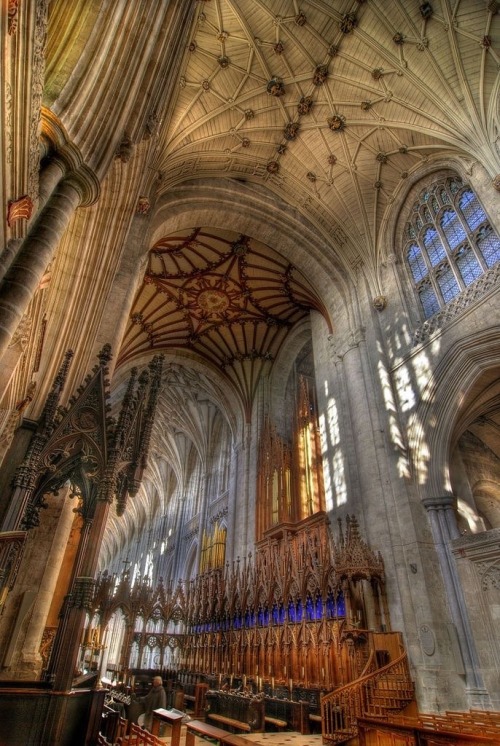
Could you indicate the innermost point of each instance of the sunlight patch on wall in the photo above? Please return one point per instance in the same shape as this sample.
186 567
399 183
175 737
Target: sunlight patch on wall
421 453
474 521
406 394
334 476
339 479
328 484
423 372
395 434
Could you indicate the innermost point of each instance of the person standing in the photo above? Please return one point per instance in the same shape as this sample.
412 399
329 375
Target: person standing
155 699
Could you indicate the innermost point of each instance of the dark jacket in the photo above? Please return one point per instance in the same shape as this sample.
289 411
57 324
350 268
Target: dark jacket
155 699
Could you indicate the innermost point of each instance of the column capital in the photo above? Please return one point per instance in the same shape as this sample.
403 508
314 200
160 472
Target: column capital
446 502
66 154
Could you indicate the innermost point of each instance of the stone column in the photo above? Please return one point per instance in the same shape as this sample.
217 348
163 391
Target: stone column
441 512
30 658
27 268
69 634
9 254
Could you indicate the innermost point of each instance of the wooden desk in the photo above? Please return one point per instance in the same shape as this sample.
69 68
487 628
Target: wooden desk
173 718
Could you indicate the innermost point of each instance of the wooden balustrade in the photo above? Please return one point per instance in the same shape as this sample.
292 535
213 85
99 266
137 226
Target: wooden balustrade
428 729
139 737
385 691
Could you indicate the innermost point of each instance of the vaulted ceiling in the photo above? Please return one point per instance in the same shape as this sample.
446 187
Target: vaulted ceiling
334 104
222 296
331 106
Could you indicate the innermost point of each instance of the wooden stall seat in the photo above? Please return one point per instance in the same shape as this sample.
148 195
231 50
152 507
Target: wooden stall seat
279 724
213 733
204 730
194 688
314 718
237 712
285 713
230 722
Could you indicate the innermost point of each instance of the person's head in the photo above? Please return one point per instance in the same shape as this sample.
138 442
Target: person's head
157 681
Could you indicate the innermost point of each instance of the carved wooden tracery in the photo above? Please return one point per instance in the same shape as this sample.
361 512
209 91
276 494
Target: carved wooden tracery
101 460
294 611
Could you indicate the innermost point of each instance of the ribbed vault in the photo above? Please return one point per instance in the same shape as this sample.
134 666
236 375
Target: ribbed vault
225 297
334 104
319 112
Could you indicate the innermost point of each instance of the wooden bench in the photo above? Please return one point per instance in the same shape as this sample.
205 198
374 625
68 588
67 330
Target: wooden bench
235 711
205 730
280 724
286 713
230 722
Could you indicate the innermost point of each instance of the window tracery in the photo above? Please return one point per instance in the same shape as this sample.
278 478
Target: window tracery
450 243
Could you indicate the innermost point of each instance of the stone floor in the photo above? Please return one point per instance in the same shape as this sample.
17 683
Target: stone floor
286 738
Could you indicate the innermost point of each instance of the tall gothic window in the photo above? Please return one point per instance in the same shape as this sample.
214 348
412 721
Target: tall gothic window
449 243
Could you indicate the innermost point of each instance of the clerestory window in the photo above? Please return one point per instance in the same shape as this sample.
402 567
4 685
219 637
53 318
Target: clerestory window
449 243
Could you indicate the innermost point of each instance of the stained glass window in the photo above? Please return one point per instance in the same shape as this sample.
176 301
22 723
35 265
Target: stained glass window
452 228
417 263
456 245
428 299
468 265
489 246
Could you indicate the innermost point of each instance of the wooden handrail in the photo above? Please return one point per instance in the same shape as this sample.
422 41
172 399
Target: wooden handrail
369 665
341 708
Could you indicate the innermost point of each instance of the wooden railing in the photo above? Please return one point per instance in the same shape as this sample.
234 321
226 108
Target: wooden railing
385 691
429 729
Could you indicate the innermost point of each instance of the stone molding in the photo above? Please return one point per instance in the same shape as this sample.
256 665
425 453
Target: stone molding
68 156
483 550
341 345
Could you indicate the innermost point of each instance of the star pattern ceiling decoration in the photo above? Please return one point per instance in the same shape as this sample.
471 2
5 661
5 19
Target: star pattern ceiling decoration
224 297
